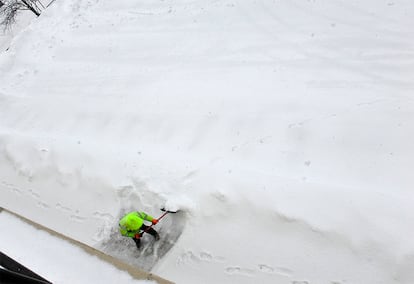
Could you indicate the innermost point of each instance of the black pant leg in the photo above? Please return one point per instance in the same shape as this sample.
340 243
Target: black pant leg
137 242
150 231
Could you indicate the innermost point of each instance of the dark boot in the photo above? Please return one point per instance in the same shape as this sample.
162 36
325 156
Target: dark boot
137 242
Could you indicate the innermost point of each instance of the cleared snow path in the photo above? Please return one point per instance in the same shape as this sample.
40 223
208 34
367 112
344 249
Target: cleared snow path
169 229
61 260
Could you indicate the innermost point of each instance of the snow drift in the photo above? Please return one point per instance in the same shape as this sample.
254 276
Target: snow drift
281 129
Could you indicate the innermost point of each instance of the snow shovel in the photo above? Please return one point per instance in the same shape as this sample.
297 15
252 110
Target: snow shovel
162 216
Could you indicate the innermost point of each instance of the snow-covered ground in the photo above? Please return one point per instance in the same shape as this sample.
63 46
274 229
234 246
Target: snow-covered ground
283 131
23 19
60 260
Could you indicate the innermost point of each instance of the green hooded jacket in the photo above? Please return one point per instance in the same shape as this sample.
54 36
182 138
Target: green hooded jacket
130 224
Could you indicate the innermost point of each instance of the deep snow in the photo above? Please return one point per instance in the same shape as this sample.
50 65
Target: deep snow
282 129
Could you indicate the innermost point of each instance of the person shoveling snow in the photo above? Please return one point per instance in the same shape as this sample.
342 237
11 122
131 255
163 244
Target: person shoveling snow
132 225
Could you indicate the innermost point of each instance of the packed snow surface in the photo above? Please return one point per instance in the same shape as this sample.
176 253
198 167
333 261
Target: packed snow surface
282 130
60 260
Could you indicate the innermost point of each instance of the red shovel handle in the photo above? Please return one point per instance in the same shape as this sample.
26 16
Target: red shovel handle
149 227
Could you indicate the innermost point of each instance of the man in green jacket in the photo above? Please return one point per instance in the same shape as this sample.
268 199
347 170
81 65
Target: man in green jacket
132 223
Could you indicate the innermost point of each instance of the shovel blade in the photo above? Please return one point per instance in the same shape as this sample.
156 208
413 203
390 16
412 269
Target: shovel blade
169 211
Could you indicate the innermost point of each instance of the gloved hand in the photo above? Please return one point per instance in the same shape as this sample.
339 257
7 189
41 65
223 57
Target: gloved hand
154 221
137 236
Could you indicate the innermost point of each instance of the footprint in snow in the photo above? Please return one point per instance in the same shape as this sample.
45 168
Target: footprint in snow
206 256
43 205
62 208
266 268
278 270
238 270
